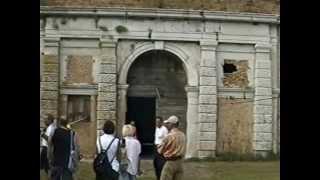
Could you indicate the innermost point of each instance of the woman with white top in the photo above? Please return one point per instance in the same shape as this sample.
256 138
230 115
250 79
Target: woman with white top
105 140
130 152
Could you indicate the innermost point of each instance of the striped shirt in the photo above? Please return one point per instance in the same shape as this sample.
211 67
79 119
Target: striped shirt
173 145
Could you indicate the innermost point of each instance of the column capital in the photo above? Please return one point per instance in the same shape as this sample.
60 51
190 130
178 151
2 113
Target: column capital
208 45
263 48
51 41
123 87
191 89
107 43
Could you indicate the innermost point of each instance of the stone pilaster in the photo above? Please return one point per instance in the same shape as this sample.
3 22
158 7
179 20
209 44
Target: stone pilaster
107 78
63 105
192 121
122 105
207 99
93 107
49 85
262 129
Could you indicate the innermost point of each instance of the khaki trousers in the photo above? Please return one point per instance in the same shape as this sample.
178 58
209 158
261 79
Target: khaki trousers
172 170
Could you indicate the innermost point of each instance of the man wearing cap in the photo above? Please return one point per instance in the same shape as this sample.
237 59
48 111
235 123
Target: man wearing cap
173 149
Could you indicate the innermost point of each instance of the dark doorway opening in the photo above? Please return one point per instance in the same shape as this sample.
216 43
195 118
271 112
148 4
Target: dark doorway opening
142 111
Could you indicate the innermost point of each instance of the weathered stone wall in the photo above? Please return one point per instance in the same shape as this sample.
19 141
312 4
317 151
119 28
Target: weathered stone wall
235 126
49 92
162 70
203 46
79 69
261 6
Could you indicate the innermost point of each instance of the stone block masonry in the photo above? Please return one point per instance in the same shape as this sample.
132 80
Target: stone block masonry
207 100
106 100
49 86
263 110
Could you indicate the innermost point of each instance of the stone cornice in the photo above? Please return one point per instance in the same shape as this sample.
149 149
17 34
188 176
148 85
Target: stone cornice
160 13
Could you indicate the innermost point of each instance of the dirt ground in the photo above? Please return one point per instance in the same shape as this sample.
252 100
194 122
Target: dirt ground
219 170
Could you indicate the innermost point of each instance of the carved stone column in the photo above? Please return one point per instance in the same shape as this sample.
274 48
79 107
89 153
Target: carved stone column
208 99
49 85
93 108
122 106
263 100
192 121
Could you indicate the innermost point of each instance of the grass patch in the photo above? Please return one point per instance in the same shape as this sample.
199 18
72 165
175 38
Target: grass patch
204 170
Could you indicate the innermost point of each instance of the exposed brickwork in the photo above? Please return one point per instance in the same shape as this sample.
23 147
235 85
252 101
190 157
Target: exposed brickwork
79 69
238 78
259 6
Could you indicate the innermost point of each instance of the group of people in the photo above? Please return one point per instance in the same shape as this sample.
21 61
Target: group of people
60 154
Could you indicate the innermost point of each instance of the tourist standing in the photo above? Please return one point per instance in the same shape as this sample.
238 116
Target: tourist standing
64 153
130 152
173 149
110 143
47 132
160 133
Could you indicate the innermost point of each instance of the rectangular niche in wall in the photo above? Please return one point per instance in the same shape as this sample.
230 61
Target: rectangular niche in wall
79 70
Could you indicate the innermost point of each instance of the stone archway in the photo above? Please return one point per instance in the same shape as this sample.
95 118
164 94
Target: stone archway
191 89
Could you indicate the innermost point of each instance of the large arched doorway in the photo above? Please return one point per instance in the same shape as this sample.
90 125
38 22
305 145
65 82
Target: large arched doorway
157 83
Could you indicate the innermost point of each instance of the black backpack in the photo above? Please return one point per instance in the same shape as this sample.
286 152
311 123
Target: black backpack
102 165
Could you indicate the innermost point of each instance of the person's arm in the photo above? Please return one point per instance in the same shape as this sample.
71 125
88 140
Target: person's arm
50 150
163 145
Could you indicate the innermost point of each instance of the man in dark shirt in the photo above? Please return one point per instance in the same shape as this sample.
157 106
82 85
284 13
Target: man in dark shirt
59 151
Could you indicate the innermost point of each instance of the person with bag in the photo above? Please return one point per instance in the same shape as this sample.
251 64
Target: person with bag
64 152
106 165
130 154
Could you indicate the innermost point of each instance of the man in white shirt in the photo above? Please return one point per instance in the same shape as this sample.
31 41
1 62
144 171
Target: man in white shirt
51 125
160 133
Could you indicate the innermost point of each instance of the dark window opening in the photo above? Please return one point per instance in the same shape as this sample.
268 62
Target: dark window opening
229 68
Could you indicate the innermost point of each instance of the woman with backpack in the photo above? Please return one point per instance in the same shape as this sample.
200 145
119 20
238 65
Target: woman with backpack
130 150
106 164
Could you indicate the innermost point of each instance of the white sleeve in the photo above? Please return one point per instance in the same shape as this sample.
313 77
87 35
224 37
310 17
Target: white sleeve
49 131
164 131
98 145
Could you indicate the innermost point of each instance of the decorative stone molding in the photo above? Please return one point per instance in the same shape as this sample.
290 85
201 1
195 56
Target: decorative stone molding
51 41
107 43
191 72
263 48
160 13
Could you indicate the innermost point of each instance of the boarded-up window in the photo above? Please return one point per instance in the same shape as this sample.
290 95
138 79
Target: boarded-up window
235 124
79 115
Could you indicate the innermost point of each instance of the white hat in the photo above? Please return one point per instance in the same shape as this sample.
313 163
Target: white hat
172 119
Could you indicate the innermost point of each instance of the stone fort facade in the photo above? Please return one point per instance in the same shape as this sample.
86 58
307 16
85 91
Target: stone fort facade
218 71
